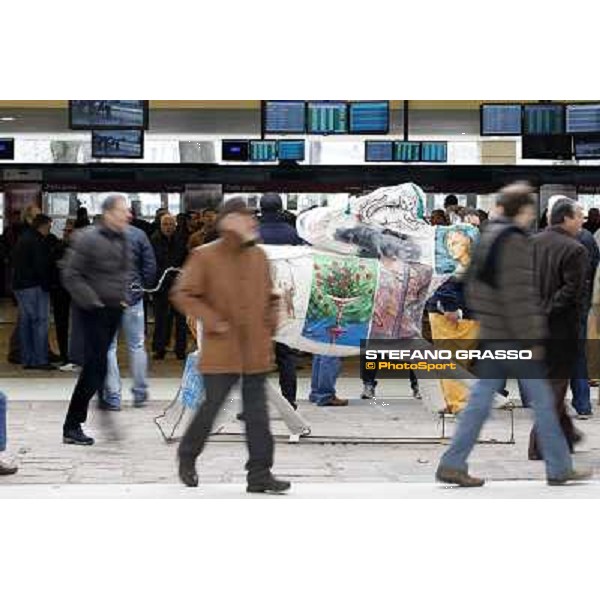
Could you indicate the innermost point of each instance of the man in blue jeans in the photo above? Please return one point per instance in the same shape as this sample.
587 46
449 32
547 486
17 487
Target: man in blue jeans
143 275
325 371
580 386
5 469
30 284
502 293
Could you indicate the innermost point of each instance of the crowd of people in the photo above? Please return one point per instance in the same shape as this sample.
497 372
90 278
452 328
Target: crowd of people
510 286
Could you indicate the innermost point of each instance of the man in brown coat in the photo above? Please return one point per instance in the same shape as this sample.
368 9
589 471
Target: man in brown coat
227 285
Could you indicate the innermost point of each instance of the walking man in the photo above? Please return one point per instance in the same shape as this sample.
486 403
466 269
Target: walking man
561 271
501 291
228 286
97 274
143 274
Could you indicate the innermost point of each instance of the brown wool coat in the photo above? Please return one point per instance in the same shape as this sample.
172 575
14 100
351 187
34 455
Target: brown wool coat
223 281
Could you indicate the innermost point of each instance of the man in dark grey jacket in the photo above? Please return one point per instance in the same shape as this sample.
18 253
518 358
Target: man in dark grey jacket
501 291
97 275
561 267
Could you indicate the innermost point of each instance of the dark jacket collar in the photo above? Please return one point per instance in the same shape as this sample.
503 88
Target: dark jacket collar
272 217
559 229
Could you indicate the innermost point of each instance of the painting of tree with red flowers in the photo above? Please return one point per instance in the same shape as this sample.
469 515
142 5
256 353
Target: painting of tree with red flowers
341 300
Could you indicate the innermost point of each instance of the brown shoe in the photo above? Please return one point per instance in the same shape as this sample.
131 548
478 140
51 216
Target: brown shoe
335 401
7 470
460 478
573 475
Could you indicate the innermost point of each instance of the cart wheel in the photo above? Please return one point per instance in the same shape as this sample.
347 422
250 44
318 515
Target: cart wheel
306 432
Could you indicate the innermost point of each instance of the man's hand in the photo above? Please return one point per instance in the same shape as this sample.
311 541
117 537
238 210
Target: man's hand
221 327
453 316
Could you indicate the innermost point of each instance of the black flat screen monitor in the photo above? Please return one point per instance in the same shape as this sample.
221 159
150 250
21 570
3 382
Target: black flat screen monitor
549 147
327 117
263 150
7 148
407 151
583 118
108 114
434 152
235 150
291 150
500 119
118 143
379 151
587 147
284 116
543 119
369 117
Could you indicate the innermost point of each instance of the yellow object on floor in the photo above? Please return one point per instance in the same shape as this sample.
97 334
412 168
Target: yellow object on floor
466 334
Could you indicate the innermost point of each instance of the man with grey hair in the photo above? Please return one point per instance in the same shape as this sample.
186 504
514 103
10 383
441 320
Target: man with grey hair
560 271
96 273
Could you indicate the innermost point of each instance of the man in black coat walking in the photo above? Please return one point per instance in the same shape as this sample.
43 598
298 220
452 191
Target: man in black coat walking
561 267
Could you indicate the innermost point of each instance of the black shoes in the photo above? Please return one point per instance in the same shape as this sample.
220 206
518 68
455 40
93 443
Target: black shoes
7 469
270 485
187 473
456 477
77 437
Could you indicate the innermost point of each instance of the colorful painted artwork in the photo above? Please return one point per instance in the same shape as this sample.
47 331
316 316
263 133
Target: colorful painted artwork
341 300
389 300
453 246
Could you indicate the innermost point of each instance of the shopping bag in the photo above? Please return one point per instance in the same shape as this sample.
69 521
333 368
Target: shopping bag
192 384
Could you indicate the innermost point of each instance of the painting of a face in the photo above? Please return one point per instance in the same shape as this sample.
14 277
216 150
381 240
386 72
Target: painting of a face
459 246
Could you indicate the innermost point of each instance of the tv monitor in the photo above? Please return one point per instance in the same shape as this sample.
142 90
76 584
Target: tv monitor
369 117
587 147
583 118
291 150
263 150
407 151
543 119
434 152
108 114
284 116
549 147
327 117
118 143
235 150
500 119
379 151
7 148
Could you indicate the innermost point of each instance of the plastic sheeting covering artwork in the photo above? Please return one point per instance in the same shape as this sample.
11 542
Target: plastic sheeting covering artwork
367 273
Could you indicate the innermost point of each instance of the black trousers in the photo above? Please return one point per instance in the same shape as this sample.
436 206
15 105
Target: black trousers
61 307
164 315
369 376
286 363
99 328
256 419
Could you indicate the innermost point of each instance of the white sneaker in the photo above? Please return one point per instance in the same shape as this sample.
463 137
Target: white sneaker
69 368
